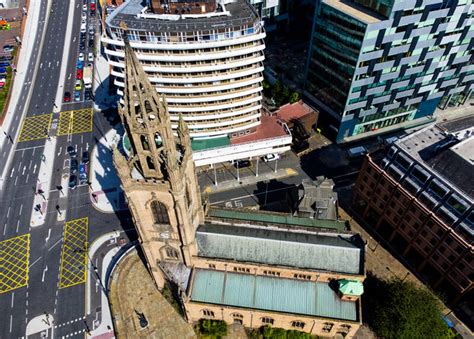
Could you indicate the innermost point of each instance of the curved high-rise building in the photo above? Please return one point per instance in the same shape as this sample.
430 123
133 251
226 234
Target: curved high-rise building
205 57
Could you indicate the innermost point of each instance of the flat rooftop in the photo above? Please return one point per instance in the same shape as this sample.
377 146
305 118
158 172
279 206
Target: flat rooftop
241 14
447 149
270 127
292 111
355 10
271 294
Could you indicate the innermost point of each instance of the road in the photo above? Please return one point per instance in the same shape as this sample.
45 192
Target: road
42 257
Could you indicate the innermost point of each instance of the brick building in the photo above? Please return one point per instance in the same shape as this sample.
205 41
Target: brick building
419 198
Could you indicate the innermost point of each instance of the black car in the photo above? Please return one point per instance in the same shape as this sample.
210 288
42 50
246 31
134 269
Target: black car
87 95
74 166
5 57
82 46
85 157
91 42
242 163
71 151
72 182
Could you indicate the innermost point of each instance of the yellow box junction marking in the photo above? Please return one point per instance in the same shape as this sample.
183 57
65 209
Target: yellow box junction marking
75 122
74 253
14 262
35 127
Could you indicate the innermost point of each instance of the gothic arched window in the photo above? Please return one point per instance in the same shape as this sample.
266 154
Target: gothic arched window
144 141
171 253
150 163
160 213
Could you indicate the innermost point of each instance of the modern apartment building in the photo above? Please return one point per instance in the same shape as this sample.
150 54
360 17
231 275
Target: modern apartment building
420 198
206 59
379 65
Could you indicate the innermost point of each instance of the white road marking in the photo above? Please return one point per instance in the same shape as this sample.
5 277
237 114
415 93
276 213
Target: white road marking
34 169
5 229
8 212
11 322
35 262
49 234
13 170
44 272
21 208
27 177
17 225
24 169
57 242
13 298
16 179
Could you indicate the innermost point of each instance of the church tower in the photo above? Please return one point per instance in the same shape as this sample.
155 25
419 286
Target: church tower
157 175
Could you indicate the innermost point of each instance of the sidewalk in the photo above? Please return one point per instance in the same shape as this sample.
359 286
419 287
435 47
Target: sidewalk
127 298
106 194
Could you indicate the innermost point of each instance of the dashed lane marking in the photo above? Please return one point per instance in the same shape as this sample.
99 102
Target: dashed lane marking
14 257
74 253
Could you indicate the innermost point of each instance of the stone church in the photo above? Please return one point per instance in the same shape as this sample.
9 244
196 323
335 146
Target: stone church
254 268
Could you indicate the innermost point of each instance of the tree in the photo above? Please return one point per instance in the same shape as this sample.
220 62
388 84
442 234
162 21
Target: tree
212 328
399 309
295 96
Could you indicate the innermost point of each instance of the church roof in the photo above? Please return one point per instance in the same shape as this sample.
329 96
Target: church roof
276 218
271 294
330 252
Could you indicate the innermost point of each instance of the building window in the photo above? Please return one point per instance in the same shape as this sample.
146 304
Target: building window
267 321
297 324
160 213
274 273
150 163
208 313
327 327
238 318
212 266
302 276
242 269
171 253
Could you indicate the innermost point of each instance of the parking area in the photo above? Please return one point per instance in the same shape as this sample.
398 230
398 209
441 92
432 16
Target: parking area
14 262
74 253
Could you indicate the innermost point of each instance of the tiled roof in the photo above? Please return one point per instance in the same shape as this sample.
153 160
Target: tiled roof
271 293
276 218
293 111
329 252
270 127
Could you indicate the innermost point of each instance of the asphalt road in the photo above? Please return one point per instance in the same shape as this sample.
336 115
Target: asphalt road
42 294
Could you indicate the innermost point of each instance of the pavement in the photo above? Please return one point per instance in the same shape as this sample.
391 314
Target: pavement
129 299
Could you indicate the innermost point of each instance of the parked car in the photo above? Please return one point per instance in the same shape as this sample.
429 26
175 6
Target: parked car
83 27
271 157
3 70
84 15
78 85
3 81
356 152
87 95
81 57
67 97
79 64
77 96
91 30
91 43
72 182
90 57
6 57
71 151
5 64
242 163
83 173
73 167
8 48
84 7
85 157
79 74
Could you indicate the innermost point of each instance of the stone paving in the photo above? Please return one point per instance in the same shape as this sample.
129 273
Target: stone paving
131 290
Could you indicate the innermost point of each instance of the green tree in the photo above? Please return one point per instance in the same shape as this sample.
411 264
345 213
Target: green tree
399 309
274 333
212 328
295 96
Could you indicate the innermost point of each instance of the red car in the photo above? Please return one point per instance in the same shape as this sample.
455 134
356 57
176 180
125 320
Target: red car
92 7
67 96
79 74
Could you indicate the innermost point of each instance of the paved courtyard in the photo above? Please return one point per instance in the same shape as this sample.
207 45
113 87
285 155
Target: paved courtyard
132 290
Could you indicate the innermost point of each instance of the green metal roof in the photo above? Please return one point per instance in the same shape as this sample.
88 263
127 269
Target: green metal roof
202 144
351 287
274 218
270 293
333 252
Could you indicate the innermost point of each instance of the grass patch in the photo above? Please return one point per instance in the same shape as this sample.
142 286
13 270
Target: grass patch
5 90
172 299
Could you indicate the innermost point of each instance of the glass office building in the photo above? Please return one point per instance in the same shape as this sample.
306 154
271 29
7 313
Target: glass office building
378 65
